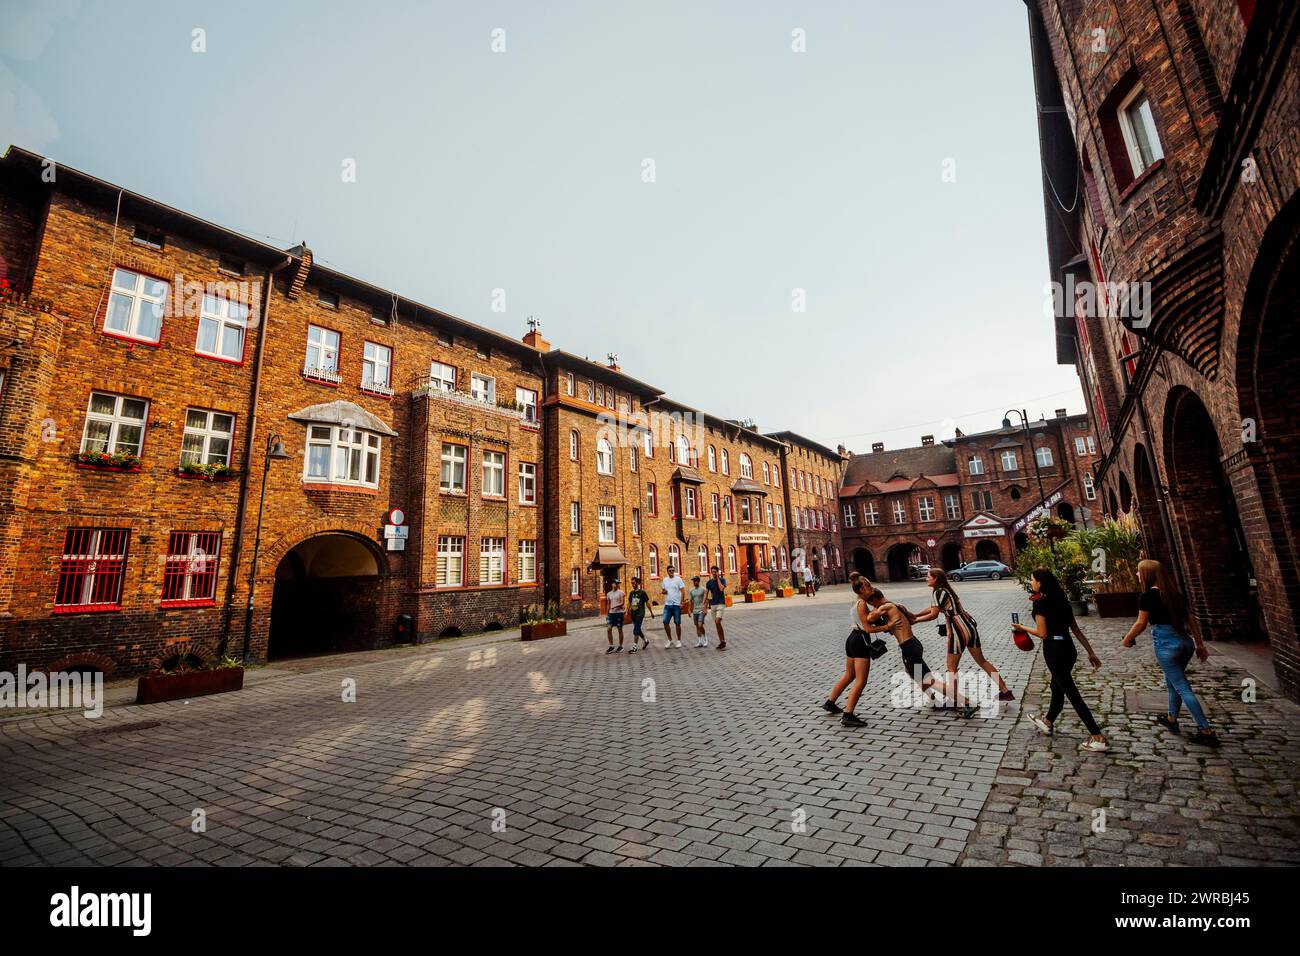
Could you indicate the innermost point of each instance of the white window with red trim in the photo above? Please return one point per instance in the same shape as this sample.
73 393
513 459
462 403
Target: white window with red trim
207 437
527 561
492 561
114 424
654 561
222 326
377 369
527 483
190 571
136 305
337 454
688 501
451 562
322 359
92 569
731 559
442 377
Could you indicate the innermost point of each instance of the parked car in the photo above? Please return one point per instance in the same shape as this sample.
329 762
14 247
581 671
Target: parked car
917 572
993 570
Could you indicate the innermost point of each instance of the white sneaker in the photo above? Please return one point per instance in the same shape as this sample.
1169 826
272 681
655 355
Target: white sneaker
1042 724
668 644
1095 745
677 643
704 642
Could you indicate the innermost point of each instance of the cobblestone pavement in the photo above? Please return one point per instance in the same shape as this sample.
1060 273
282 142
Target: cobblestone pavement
494 752
1153 799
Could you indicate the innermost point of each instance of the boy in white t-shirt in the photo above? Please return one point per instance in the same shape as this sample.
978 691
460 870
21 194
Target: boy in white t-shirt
616 598
673 586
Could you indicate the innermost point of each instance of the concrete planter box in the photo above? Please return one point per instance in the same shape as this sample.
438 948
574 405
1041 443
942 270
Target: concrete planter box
155 688
1119 604
537 632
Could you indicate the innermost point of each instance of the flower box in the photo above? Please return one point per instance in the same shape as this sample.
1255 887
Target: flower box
540 630
97 466
753 597
730 601
155 688
215 476
785 592
1117 604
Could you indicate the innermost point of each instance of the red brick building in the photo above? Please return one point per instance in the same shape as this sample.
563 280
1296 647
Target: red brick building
966 498
1170 140
812 478
208 443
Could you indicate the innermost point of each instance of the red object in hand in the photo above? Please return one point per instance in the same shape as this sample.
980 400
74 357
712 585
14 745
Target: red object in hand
1023 640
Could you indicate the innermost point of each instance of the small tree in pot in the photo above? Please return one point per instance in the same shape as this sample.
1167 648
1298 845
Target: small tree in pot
1113 550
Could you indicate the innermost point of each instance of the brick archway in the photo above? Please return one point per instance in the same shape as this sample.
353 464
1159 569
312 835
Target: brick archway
274 553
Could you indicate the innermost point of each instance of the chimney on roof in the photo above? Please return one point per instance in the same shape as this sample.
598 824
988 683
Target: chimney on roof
298 278
1061 413
842 451
958 433
877 447
927 441
533 337
612 361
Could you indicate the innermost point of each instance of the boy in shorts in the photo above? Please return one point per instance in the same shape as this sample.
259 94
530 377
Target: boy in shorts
699 598
637 602
616 597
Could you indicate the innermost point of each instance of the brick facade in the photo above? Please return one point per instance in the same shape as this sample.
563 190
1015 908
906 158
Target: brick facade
1194 408
378 402
971 495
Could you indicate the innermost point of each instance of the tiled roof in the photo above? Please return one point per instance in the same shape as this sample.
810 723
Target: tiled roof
884 466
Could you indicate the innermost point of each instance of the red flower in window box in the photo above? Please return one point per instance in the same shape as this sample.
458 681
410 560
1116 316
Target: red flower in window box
100 461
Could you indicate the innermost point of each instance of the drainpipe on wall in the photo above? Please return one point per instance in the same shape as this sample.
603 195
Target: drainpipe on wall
543 545
242 507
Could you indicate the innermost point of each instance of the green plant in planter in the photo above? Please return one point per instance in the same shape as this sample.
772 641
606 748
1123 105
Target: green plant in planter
753 587
213 470
119 459
783 583
541 613
1113 550
1046 527
1066 561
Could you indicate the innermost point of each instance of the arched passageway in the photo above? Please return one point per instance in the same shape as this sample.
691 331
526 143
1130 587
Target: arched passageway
864 563
327 591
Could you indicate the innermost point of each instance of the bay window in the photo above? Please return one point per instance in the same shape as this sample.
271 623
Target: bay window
338 454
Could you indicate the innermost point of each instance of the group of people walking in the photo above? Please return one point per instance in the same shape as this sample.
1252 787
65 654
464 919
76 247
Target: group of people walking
1161 607
704 601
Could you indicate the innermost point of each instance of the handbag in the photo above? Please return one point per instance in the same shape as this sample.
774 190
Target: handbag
875 646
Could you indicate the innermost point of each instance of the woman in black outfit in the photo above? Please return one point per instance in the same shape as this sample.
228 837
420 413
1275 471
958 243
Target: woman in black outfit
857 662
1053 624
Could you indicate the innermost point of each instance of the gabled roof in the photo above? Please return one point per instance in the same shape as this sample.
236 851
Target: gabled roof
883 466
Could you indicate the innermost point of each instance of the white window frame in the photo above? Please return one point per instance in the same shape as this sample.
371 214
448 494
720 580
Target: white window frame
377 368
573 444
1135 138
746 466
606 524
689 501
116 420
716 504
604 457
731 559
925 508
492 561
527 561
653 557
975 465
900 511
442 377
322 359
483 388
952 506
713 458
636 521
1089 487
450 571
631 458
450 463
139 297
575 517
1080 446
702 556
850 516
527 399
1043 455
527 483
1009 455
870 514
568 384
575 582
767 474
493 473
349 449
726 462
206 434
227 315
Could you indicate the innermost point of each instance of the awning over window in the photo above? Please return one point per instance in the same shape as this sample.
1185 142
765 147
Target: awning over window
342 413
748 486
688 474
607 556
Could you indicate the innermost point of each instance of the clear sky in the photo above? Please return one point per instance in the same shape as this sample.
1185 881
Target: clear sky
525 170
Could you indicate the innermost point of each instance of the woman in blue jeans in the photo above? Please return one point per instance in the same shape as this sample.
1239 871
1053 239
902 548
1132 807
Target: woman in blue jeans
1165 610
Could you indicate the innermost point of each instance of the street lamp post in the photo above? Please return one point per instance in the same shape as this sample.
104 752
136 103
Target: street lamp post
1029 447
274 450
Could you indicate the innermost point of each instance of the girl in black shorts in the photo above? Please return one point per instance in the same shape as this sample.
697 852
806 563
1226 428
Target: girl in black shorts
963 633
857 663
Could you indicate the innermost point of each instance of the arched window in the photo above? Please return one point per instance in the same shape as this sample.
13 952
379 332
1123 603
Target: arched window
672 451
1044 456
838 562
784 565
746 466
713 459
704 559
573 445
683 450
731 558
717 556
674 557
726 463
776 476
767 474
654 561
604 457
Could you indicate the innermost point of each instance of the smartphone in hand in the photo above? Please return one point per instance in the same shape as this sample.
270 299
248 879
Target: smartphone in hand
1015 617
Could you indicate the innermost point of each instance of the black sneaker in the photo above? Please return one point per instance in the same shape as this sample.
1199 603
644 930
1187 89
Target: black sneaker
832 708
1170 725
848 719
610 649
